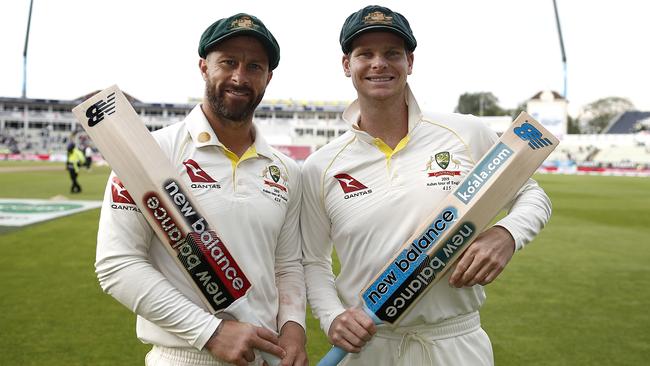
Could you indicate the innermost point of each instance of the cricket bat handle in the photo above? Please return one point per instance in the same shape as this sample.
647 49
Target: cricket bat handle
333 357
243 312
270 359
337 354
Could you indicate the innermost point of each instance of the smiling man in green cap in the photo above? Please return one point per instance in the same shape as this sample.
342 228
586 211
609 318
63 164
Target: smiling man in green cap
366 192
249 189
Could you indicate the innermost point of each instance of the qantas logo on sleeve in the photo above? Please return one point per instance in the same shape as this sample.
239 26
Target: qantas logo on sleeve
198 176
120 197
351 187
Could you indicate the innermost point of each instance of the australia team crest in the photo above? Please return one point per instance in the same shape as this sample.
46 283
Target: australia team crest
442 159
275 183
440 168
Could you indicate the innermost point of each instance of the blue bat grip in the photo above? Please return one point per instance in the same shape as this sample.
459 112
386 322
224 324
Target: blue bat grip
333 357
336 354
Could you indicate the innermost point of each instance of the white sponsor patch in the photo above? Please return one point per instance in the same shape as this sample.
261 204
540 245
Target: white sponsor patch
21 212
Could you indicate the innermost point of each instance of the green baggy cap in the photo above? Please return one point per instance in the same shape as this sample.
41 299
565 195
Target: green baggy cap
376 18
240 25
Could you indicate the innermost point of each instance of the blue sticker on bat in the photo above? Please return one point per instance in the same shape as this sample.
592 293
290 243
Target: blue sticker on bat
412 287
481 174
408 260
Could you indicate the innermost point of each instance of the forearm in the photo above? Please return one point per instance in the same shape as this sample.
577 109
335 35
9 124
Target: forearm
322 294
144 290
528 214
126 250
317 249
289 273
290 282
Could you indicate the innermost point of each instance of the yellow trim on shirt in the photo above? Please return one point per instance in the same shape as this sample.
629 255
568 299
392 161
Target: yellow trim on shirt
387 150
235 160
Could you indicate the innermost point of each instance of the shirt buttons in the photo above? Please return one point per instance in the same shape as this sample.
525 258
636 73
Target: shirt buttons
240 186
396 180
240 189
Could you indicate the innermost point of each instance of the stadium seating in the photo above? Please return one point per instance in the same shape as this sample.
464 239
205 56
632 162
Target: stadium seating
35 126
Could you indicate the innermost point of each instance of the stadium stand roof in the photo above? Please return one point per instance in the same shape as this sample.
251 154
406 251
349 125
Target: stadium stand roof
128 96
627 122
545 94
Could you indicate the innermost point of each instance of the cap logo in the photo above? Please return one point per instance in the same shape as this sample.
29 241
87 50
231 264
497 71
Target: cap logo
242 22
377 17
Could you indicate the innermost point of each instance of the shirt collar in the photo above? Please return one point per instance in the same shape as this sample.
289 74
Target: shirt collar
202 134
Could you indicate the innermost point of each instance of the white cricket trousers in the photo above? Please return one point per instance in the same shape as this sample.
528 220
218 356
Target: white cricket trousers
166 356
458 341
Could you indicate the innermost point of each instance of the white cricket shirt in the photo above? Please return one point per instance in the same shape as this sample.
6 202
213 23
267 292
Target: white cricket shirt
365 200
254 204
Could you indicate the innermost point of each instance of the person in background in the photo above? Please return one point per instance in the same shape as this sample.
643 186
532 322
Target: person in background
75 159
88 152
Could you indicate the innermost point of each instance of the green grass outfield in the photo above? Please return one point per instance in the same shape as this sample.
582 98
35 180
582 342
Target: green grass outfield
578 295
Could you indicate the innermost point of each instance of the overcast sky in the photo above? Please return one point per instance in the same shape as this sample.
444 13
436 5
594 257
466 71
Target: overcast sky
507 47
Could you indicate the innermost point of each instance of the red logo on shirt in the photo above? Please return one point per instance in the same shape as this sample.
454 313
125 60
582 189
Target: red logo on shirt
196 173
119 193
349 184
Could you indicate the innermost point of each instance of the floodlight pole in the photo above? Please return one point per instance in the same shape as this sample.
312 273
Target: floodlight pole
559 32
29 22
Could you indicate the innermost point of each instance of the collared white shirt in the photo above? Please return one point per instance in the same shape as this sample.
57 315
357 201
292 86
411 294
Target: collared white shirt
365 200
254 204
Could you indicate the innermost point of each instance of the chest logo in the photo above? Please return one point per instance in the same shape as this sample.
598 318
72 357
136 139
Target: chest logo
199 177
274 177
349 184
443 159
441 168
120 197
275 173
351 187
275 183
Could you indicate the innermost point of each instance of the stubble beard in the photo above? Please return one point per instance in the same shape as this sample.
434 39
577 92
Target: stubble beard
238 114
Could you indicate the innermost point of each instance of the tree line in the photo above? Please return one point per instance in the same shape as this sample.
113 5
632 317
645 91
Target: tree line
593 118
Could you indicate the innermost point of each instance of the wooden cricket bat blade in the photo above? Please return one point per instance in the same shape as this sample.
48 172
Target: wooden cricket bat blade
167 204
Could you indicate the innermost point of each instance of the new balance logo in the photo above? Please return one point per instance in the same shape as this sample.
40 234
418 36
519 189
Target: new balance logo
121 199
198 176
351 187
528 132
97 111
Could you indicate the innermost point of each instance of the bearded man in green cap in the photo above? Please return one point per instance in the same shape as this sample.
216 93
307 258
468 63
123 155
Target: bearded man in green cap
249 189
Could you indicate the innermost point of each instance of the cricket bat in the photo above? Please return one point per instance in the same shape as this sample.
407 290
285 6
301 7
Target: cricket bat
167 204
440 240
